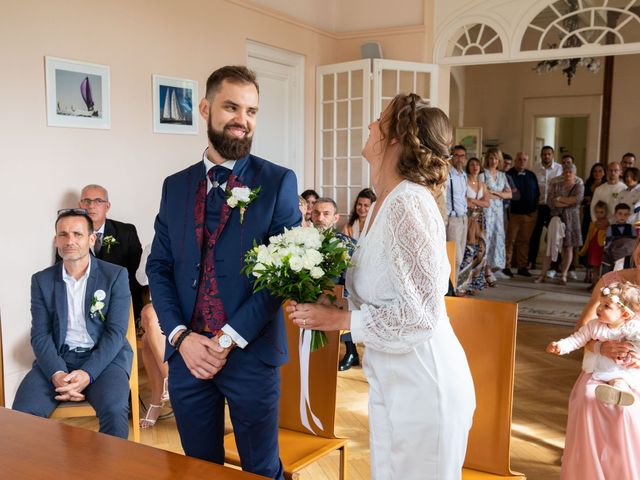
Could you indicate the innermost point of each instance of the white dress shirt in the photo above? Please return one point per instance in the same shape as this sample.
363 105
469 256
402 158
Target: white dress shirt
608 194
544 176
77 334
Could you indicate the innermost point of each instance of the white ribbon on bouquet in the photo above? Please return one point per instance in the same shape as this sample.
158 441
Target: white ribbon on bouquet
304 352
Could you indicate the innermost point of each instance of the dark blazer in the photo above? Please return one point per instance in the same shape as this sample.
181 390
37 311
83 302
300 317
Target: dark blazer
49 319
127 254
173 266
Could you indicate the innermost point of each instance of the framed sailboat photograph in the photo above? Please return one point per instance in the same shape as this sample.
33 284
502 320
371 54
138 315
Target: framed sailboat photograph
78 94
174 105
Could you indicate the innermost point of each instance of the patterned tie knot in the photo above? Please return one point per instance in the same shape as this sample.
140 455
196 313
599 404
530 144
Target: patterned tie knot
218 175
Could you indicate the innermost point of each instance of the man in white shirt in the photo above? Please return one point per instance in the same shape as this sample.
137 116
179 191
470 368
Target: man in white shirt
608 192
80 314
456 201
547 169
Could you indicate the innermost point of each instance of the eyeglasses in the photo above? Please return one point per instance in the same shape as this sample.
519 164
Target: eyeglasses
95 201
75 211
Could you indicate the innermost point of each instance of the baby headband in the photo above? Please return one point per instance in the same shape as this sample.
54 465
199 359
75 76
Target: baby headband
606 292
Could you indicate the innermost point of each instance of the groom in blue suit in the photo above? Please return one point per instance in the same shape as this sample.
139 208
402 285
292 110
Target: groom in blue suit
225 342
80 315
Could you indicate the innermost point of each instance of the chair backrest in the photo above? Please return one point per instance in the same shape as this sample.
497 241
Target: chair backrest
1 367
323 376
487 331
451 255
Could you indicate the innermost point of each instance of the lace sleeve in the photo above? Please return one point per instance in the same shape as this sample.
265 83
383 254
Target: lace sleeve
417 271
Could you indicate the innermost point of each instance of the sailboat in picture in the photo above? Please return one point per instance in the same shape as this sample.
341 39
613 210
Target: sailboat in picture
172 111
89 109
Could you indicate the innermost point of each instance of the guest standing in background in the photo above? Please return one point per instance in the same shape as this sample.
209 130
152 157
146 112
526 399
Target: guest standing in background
547 169
471 276
523 213
631 196
564 203
497 191
610 191
456 202
596 178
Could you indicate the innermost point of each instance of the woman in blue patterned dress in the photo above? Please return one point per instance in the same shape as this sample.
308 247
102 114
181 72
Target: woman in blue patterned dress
497 191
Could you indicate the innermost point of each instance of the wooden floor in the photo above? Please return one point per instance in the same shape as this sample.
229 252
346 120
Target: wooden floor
542 387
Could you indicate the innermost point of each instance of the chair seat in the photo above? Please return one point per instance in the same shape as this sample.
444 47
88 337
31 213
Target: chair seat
297 450
469 474
80 409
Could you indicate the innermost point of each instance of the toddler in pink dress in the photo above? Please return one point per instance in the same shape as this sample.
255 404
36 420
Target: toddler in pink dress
616 320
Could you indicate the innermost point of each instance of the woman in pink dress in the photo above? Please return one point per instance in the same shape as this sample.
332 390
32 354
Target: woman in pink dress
603 441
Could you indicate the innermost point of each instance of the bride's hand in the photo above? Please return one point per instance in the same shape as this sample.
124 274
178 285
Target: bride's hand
314 316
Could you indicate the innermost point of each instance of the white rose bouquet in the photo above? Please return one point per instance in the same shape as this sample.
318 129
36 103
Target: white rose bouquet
300 264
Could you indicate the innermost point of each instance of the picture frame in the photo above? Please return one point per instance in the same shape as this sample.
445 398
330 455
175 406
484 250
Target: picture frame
78 94
175 107
471 138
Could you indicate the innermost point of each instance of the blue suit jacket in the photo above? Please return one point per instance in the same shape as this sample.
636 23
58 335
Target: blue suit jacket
173 266
49 318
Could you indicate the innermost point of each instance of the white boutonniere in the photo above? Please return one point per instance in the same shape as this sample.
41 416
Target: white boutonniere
97 304
108 242
242 197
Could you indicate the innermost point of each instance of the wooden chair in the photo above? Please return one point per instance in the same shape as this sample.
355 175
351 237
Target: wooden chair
83 409
451 255
487 331
298 447
1 368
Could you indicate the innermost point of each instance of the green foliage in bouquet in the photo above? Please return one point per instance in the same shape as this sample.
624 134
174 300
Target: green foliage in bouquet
300 264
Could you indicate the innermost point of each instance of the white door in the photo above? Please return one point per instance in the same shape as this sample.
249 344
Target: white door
279 135
347 101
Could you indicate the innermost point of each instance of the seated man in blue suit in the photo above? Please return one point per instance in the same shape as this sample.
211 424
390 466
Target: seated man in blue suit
205 305
79 319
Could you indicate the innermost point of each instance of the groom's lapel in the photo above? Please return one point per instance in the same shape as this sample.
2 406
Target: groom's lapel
198 183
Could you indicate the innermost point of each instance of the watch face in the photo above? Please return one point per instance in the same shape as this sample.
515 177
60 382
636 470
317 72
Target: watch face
225 341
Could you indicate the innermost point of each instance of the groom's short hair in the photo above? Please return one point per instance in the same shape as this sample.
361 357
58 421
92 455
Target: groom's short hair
238 74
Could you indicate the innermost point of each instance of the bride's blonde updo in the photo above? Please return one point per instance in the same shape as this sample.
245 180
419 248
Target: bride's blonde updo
424 136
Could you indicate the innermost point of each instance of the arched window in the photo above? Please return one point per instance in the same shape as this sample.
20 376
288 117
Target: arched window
574 23
474 39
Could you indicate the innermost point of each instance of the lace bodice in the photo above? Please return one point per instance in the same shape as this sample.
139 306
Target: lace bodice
399 272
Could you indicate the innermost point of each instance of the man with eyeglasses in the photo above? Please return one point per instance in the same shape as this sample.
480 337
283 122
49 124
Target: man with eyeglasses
456 200
79 319
116 242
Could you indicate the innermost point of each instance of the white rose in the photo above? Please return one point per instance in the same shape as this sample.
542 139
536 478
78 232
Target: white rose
295 263
258 269
316 272
232 202
100 295
96 307
311 258
263 255
241 193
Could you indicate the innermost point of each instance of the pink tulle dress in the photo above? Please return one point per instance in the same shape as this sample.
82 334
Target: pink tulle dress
603 441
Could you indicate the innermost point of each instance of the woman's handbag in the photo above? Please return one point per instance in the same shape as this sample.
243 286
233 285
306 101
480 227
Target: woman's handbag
474 227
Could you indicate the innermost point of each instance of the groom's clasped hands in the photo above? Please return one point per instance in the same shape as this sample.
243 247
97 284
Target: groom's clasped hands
203 356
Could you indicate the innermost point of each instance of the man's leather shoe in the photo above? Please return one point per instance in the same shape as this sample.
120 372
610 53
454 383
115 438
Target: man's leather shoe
524 272
348 361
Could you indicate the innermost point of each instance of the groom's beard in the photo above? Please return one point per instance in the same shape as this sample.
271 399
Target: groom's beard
228 147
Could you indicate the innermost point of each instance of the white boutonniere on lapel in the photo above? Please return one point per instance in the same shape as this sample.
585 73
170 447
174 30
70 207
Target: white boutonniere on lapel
242 197
97 304
108 242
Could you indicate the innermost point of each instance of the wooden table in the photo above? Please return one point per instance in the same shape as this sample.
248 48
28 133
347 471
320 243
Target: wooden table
37 448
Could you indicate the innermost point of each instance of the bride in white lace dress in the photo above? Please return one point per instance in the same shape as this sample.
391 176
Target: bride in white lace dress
421 397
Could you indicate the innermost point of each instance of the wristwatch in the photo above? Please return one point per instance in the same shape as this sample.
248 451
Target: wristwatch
224 340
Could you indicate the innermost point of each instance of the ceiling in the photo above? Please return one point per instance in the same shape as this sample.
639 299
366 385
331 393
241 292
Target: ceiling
340 16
